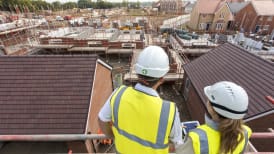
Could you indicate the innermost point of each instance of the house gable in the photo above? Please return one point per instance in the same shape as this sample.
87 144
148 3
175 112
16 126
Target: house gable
222 16
102 89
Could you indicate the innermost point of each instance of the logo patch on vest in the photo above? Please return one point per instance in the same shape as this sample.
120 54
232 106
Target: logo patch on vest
144 71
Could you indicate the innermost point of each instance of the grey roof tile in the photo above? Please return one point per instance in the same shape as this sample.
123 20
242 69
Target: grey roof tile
45 94
232 63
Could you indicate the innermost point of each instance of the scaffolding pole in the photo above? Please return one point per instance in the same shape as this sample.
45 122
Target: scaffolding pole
265 135
59 137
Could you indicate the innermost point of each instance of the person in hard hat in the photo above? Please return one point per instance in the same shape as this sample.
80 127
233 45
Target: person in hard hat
142 122
223 131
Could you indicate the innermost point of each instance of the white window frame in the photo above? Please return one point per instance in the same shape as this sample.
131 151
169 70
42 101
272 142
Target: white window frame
202 26
222 16
266 27
219 26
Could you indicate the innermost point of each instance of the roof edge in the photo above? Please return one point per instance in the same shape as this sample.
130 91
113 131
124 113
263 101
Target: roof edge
222 5
90 99
254 8
259 116
104 64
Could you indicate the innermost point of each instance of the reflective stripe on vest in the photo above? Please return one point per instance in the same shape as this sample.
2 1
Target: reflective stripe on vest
161 128
203 139
246 139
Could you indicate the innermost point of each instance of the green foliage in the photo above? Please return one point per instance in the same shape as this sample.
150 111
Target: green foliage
69 5
138 4
84 4
36 5
125 3
57 5
103 5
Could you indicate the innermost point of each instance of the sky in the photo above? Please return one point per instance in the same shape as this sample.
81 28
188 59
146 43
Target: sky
64 1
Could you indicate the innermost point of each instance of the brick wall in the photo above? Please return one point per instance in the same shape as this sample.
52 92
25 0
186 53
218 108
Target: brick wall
248 19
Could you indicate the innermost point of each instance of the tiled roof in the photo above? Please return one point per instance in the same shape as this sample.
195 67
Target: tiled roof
264 7
208 6
45 94
232 63
237 6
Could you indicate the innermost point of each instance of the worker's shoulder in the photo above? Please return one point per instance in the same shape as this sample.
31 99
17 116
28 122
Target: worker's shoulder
170 102
121 87
248 129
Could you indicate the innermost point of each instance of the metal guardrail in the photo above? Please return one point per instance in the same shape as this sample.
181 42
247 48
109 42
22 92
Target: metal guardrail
61 137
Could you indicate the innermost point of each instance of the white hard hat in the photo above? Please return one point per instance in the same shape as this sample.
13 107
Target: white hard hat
153 62
228 99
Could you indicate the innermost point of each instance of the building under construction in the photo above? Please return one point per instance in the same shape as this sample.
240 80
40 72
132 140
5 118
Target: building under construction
67 72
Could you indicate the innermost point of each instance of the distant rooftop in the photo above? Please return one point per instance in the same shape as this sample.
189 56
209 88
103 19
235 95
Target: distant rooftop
237 6
264 7
80 33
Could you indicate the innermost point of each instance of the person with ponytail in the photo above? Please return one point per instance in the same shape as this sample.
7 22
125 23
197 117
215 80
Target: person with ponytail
224 131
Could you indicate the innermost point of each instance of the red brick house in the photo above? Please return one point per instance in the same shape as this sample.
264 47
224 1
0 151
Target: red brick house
256 17
53 95
171 6
232 63
235 7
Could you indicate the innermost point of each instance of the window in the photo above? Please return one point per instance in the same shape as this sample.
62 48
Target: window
269 18
202 26
222 15
266 27
257 28
219 26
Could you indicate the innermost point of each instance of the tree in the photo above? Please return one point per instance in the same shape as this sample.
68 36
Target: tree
24 5
1 3
8 5
40 5
124 3
84 3
100 4
69 5
57 5
138 4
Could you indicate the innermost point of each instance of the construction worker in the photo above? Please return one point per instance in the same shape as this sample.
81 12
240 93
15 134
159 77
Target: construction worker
224 131
142 122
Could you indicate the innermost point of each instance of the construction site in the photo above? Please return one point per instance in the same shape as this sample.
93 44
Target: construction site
51 62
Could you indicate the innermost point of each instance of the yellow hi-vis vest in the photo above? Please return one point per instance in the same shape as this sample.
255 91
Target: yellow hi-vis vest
206 140
141 122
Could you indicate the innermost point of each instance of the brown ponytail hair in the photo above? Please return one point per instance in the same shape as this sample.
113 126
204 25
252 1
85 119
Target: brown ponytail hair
231 131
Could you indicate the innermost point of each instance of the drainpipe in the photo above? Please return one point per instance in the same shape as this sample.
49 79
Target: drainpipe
59 137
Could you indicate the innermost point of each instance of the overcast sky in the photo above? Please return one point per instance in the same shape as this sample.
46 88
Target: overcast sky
64 1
